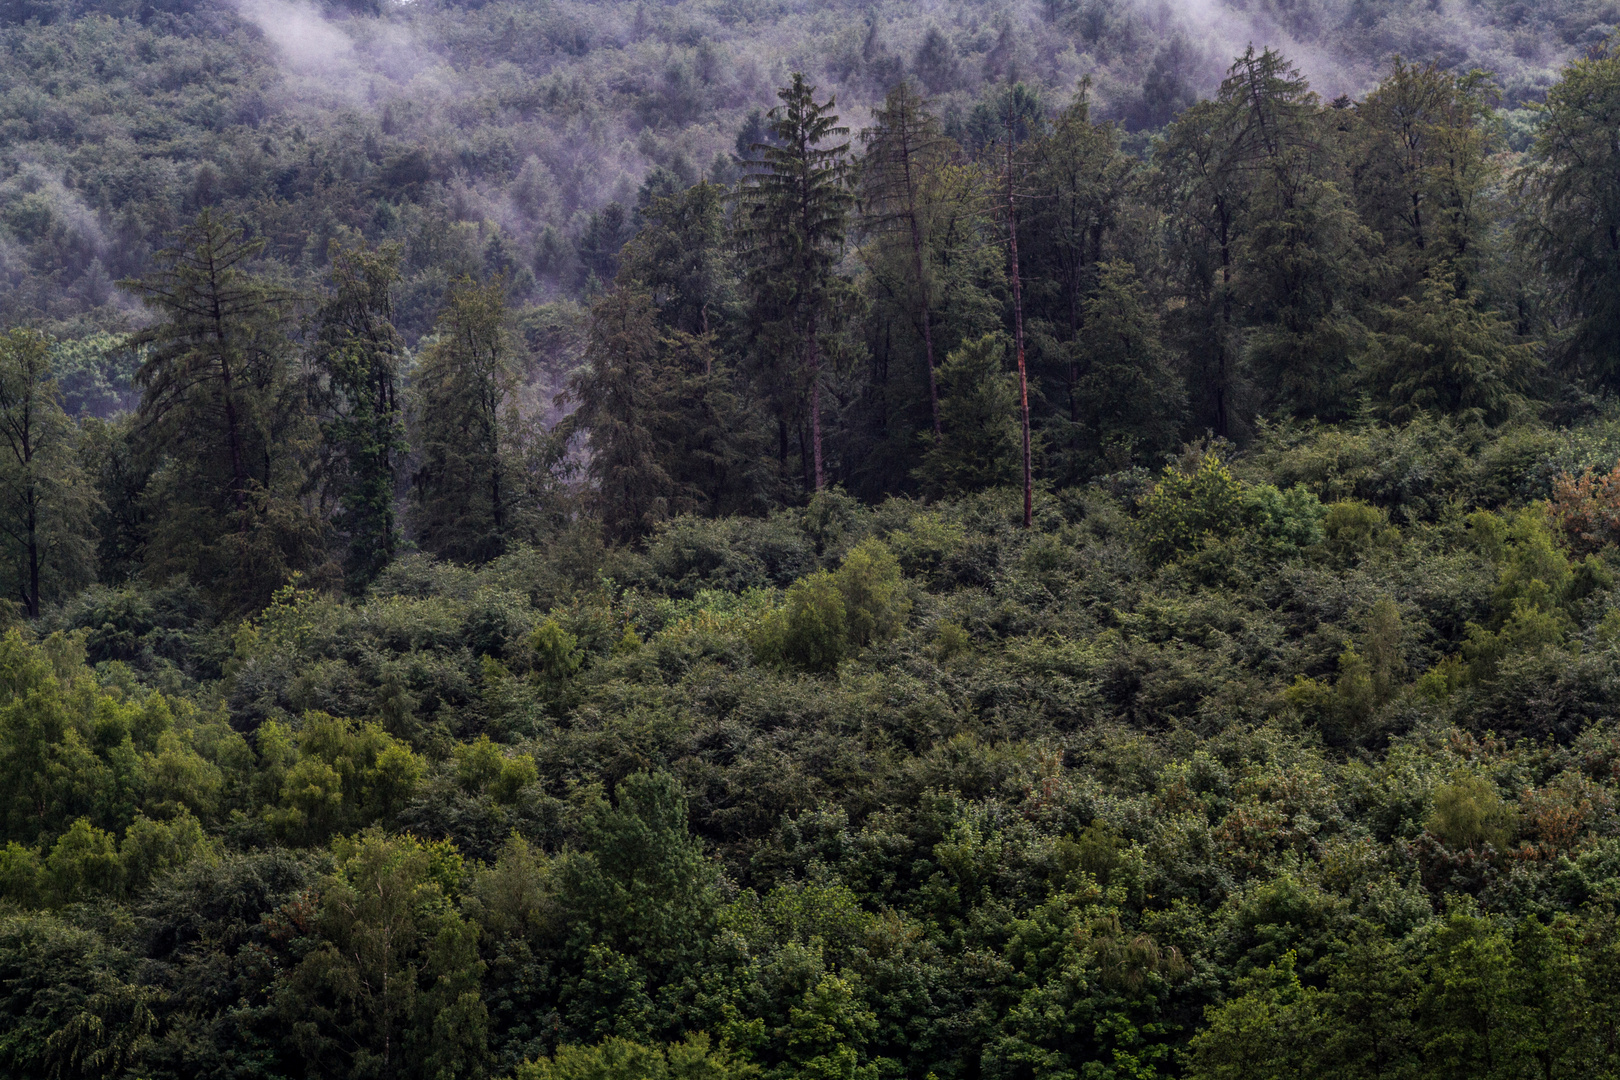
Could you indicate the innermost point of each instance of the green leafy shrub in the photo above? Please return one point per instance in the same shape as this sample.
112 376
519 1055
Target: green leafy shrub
874 591
814 629
1186 510
1352 529
557 655
1468 813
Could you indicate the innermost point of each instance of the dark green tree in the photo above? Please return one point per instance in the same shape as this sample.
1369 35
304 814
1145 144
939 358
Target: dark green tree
795 206
640 907
1420 156
224 419
1446 354
1131 400
624 408
1083 180
904 149
46 501
1571 183
1200 186
682 257
980 446
466 491
1301 255
358 352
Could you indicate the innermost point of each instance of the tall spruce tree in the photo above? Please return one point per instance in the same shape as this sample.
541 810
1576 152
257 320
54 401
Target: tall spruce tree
1083 180
796 205
712 448
466 493
1302 247
224 420
358 352
1265 248
1571 180
904 148
624 408
682 257
46 501
981 443
1132 402
1420 165
1201 189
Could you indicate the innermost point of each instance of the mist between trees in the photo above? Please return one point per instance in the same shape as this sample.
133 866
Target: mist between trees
960 572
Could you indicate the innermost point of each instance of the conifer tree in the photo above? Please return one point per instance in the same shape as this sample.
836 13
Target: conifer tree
1445 354
621 406
1421 162
224 419
709 442
796 205
1302 244
466 490
45 499
681 256
1082 179
1572 181
358 351
903 147
1200 187
1132 402
981 443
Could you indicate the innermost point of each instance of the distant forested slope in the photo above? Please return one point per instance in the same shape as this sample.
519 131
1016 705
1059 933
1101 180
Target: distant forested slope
513 137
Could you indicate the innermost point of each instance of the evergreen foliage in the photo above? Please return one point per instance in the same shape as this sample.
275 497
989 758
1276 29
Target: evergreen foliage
1016 596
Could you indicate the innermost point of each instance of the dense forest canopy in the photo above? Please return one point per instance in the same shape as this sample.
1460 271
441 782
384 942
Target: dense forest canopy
749 541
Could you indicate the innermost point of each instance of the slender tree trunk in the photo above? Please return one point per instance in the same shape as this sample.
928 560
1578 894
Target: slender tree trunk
1223 365
927 324
1018 330
232 426
922 281
33 558
31 602
815 399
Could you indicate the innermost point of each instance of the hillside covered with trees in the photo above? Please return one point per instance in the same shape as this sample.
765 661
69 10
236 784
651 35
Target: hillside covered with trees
759 542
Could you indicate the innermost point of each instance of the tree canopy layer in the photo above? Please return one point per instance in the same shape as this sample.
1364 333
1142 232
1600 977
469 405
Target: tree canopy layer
623 564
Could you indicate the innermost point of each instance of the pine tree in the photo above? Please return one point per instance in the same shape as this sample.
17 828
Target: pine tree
681 257
358 351
903 147
1446 354
1201 188
1132 401
711 445
1421 162
466 490
224 420
1083 180
621 406
45 499
1571 180
1301 241
980 446
796 204
1265 248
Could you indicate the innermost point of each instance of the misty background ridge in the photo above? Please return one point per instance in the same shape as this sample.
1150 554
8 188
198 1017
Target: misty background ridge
514 138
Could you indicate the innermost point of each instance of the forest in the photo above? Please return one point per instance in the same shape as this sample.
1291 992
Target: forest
702 541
